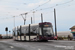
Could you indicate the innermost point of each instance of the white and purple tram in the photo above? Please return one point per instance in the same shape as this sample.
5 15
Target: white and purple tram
34 32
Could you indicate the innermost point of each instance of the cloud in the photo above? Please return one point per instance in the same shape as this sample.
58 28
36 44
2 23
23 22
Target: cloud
64 16
11 6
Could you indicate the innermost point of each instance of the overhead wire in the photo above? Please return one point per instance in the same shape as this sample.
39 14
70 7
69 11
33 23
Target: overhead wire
45 8
58 5
7 18
34 10
57 9
41 5
38 7
66 2
55 5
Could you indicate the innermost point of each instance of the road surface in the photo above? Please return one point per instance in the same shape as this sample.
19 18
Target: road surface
51 45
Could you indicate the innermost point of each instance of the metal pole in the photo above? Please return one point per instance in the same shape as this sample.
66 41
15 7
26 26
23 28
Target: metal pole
25 19
24 35
42 25
29 32
20 33
7 33
31 20
41 18
14 21
55 22
34 16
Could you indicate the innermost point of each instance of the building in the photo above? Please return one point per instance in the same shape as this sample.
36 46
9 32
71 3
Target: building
73 31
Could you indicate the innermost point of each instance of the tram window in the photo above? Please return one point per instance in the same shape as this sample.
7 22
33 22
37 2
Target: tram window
47 31
18 33
34 31
22 34
26 31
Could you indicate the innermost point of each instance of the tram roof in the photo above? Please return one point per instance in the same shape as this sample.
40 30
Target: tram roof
30 24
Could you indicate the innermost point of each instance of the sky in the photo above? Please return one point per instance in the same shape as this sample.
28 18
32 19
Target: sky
65 13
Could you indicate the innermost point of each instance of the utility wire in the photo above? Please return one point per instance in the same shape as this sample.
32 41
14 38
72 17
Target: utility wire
48 7
7 18
56 5
57 9
41 5
43 8
66 2
38 7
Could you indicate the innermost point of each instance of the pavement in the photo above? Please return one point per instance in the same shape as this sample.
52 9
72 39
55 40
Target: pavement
50 45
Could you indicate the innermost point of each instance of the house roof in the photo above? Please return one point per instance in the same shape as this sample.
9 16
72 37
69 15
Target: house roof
72 27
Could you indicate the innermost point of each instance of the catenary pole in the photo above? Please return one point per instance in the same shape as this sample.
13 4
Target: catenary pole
55 22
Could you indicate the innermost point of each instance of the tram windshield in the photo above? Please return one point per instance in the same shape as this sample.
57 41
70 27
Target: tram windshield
47 31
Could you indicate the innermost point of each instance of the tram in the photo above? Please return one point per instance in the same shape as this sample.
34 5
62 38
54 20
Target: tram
34 32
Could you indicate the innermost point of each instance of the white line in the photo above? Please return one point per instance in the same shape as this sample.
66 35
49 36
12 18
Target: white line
61 46
65 47
11 47
63 41
39 49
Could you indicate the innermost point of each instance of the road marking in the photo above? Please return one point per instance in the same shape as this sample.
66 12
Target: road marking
61 41
61 46
65 47
11 47
39 49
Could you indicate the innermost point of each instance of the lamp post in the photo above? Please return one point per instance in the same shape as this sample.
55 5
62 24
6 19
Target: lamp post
14 21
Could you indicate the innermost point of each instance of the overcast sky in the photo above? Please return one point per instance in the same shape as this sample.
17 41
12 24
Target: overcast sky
65 13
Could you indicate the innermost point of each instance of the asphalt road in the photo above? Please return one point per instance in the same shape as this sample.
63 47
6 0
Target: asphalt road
5 46
51 45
